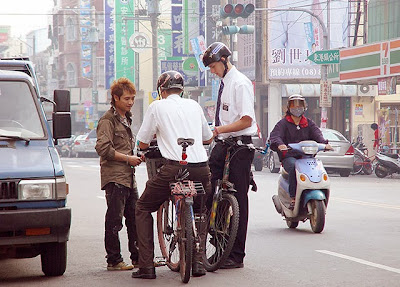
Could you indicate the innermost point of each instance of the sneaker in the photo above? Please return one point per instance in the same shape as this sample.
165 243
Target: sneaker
121 266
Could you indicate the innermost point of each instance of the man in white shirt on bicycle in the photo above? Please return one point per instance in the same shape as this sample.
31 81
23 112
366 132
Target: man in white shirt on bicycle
171 118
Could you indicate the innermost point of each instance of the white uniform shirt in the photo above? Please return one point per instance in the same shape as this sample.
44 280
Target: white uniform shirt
237 101
173 118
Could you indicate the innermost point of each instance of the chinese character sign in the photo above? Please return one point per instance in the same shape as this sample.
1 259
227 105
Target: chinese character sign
109 63
124 28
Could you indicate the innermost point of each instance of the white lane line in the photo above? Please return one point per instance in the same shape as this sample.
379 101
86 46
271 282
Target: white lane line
361 261
365 203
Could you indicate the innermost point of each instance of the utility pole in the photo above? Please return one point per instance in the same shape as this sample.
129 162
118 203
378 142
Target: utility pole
154 12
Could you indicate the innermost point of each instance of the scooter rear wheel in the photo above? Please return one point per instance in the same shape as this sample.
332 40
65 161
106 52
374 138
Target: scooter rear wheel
292 224
380 172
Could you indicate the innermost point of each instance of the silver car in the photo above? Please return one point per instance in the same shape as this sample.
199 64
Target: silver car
340 160
84 145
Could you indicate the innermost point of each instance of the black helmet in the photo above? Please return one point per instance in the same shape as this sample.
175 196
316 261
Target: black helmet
170 80
215 52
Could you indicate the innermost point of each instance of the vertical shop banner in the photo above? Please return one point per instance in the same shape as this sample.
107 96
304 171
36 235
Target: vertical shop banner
202 34
124 28
85 22
109 63
178 43
164 44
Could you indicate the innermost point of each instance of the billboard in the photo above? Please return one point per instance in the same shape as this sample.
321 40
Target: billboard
295 35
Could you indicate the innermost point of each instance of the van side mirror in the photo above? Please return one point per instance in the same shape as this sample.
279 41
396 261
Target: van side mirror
61 115
62 100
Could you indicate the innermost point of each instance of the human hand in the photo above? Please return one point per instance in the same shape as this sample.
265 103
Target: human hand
134 160
328 147
282 147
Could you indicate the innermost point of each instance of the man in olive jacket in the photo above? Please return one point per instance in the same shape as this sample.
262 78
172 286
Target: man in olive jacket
115 143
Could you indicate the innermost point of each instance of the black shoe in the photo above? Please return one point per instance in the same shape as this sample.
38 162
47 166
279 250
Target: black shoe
145 273
198 269
231 264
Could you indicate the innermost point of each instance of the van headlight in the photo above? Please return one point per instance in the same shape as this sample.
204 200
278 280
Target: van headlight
42 189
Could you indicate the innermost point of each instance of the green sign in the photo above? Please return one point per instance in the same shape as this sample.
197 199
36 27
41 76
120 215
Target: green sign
124 28
325 57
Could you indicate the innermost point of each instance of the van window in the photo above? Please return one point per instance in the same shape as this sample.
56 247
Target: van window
18 113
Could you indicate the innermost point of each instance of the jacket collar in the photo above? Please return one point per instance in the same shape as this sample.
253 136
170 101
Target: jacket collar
118 116
303 121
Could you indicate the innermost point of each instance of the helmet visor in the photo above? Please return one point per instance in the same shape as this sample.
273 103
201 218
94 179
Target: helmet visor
296 103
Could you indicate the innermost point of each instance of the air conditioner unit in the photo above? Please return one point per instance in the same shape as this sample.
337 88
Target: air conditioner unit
60 31
367 90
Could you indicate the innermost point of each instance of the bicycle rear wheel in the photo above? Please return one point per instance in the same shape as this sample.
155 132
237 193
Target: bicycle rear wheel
167 239
220 239
357 164
186 243
367 167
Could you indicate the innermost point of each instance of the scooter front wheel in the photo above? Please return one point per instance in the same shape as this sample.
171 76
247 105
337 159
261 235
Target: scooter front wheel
317 219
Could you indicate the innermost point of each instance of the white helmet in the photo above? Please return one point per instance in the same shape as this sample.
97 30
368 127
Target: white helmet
300 104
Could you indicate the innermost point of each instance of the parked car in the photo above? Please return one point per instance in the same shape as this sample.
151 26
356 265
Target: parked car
84 145
340 160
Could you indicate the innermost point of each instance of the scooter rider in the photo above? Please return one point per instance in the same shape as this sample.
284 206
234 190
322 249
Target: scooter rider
294 128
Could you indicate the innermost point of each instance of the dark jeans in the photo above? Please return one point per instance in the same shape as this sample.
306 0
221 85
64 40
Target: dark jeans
239 175
121 202
288 164
156 192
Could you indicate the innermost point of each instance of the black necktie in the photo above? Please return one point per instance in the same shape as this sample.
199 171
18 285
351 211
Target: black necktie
221 88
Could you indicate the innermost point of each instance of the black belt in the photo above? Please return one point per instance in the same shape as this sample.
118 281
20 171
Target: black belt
190 164
243 139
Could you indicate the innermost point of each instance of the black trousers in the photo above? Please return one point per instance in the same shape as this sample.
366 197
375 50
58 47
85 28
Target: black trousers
121 202
239 175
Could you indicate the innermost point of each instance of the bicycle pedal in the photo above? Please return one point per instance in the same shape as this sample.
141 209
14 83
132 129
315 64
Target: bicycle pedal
159 261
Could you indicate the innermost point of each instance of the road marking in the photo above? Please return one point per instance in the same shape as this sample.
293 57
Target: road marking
361 261
365 203
101 197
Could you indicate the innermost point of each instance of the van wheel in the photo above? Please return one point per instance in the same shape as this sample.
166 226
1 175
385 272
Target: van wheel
54 258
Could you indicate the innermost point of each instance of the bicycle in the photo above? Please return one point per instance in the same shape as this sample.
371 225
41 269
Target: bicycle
223 218
176 229
362 162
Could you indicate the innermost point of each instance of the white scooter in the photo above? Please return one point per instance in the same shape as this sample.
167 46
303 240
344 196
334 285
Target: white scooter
312 193
387 163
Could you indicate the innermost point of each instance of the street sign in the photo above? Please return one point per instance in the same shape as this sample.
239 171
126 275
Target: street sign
325 57
325 99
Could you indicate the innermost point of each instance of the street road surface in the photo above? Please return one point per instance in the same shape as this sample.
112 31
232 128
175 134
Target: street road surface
358 247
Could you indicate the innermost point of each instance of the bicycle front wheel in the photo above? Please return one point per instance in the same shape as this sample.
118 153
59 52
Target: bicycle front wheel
166 237
221 236
186 243
357 164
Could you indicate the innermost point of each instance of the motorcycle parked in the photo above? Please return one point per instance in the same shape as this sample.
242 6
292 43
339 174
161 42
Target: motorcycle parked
387 164
312 193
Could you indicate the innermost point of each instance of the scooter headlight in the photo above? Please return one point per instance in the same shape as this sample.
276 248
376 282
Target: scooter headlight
310 149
